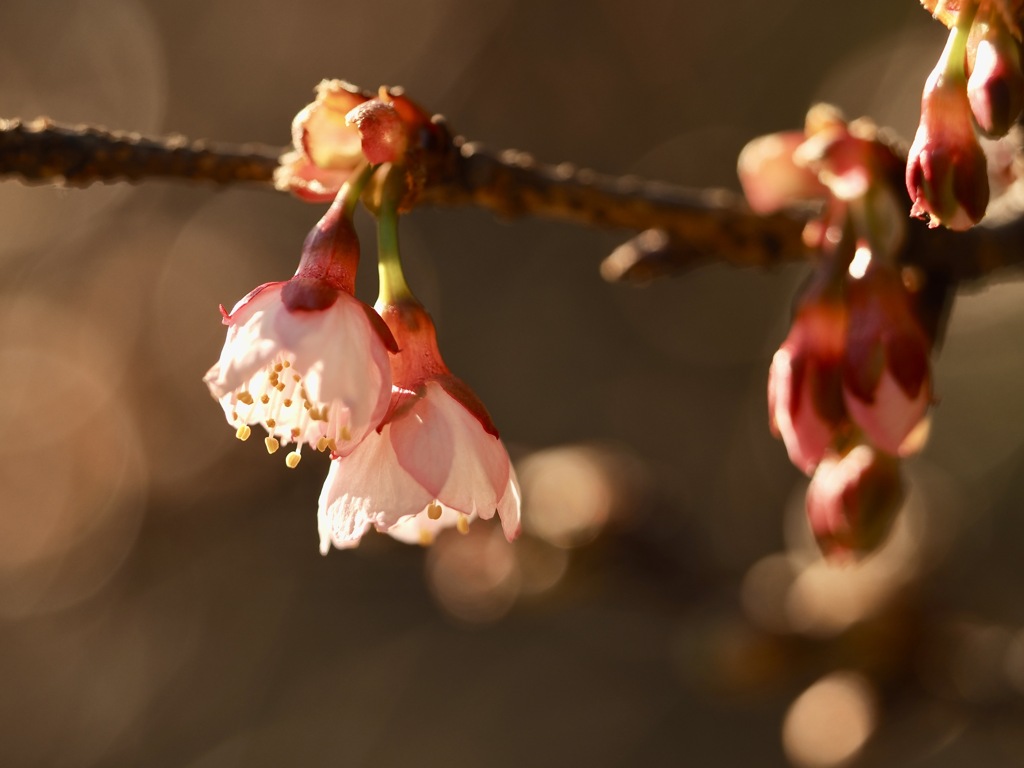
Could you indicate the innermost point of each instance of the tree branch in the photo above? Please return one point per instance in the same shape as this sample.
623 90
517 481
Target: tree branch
680 228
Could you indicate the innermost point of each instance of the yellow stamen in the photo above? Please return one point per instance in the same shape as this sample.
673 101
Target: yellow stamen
321 444
292 459
243 432
271 423
264 398
434 511
463 524
272 444
287 403
426 538
245 397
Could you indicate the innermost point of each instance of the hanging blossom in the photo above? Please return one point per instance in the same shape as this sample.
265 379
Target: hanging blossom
436 460
304 358
345 127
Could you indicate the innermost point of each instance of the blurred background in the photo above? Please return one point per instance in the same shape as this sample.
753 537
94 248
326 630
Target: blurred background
162 600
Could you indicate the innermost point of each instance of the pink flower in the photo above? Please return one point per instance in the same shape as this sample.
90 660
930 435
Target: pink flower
853 499
435 461
805 406
304 358
886 371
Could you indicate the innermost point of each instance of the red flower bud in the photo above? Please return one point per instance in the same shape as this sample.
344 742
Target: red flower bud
805 406
996 86
852 501
886 375
946 175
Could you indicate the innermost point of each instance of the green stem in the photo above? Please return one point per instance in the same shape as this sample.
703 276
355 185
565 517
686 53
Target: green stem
954 55
353 188
393 288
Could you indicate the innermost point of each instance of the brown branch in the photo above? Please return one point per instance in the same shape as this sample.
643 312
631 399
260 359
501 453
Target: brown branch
679 228
45 152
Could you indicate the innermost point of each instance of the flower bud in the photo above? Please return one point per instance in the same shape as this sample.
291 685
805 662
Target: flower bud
946 175
996 85
805 405
852 501
886 373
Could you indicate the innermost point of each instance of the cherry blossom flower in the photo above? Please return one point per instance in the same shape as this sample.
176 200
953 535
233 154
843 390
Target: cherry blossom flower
304 358
434 462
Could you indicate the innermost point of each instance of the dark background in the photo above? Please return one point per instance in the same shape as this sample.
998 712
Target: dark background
162 601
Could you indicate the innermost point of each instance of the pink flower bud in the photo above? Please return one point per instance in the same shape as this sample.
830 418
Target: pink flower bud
886 372
996 85
852 501
805 404
946 176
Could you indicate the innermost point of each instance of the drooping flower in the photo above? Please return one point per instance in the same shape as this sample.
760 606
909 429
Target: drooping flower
852 500
304 358
886 370
435 461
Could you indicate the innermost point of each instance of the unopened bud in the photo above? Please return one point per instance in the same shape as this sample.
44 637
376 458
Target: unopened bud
886 369
996 85
805 404
853 499
946 175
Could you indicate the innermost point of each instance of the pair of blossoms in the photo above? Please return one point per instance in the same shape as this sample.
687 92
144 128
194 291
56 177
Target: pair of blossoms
850 387
413 450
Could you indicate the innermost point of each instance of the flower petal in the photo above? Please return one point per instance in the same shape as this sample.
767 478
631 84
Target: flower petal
367 488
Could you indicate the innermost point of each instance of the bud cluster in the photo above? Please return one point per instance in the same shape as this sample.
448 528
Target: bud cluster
850 387
977 85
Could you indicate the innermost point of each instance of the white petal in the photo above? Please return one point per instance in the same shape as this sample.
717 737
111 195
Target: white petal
367 487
